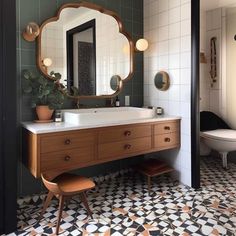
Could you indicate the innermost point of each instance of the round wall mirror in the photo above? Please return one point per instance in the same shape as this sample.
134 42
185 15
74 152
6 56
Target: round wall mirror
162 80
115 82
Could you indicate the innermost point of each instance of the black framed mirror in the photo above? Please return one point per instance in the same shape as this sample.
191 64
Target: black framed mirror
81 58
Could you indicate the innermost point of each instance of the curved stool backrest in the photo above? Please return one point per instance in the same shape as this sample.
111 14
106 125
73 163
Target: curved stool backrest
64 187
51 186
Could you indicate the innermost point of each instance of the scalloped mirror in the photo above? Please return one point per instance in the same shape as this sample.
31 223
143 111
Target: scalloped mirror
87 45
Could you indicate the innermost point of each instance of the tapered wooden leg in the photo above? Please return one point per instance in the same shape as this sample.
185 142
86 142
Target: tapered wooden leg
46 204
84 200
61 205
149 184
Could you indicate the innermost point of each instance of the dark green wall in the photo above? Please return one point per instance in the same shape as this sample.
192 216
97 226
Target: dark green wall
131 13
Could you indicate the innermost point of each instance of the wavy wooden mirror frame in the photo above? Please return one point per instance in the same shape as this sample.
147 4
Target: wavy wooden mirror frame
121 30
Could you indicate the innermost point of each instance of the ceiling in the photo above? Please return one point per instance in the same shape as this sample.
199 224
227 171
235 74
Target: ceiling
213 4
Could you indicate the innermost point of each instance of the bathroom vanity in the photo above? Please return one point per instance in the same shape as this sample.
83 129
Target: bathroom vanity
60 147
92 136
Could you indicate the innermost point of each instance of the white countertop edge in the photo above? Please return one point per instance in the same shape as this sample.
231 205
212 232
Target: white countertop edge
42 128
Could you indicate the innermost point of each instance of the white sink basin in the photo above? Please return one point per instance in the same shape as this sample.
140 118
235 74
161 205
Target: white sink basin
106 115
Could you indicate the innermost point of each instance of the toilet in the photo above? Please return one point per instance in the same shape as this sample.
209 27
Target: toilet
221 140
217 135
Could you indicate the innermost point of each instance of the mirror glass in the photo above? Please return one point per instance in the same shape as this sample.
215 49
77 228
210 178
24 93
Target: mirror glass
162 81
115 82
87 49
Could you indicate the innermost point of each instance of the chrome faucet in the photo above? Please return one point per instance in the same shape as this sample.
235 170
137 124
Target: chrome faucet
110 102
77 104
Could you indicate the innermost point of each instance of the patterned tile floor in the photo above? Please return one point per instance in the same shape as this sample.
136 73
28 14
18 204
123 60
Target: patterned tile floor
122 206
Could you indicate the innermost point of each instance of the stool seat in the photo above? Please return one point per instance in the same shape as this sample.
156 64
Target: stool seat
152 168
63 187
73 184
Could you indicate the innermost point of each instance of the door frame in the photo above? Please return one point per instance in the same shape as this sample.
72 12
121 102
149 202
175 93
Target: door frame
195 111
69 45
8 121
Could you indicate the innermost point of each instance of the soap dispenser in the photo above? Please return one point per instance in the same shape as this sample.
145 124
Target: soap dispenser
117 103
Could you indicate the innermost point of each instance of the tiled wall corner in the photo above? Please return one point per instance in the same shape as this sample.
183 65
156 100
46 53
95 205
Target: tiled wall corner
167 27
210 93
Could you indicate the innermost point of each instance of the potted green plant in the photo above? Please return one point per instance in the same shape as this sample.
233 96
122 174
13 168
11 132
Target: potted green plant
45 93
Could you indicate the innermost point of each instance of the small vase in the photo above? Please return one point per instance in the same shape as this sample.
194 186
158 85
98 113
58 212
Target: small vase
44 112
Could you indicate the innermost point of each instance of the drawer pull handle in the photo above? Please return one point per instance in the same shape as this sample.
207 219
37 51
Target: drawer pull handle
167 128
67 158
127 146
167 140
67 141
127 133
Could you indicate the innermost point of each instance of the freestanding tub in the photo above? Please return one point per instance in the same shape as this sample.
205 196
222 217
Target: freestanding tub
221 140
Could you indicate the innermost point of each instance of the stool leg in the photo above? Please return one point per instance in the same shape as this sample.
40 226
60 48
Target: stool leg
46 204
61 205
149 184
85 202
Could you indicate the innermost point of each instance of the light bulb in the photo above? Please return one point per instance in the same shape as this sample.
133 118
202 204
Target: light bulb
141 45
47 62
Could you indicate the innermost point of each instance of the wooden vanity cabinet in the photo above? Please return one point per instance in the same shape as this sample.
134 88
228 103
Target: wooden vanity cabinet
60 151
68 150
166 135
124 141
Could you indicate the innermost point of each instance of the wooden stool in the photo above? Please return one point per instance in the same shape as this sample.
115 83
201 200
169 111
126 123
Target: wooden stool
63 187
151 168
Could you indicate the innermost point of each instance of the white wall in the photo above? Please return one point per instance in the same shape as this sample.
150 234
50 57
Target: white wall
167 26
214 29
204 82
211 92
52 47
231 68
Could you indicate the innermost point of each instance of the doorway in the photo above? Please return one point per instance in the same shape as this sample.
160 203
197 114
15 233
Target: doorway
8 114
81 58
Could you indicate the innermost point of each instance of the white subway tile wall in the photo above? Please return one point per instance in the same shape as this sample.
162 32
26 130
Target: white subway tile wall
167 26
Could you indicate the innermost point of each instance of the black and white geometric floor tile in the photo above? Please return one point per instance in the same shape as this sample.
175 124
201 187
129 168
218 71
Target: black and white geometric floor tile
122 206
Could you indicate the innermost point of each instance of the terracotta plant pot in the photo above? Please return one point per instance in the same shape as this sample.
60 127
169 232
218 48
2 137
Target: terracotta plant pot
44 113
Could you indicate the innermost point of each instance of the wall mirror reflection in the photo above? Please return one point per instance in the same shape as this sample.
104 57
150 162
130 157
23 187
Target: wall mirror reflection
81 58
87 48
115 82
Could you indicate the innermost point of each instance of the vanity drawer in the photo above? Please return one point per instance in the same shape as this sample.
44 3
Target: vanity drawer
67 141
123 133
66 159
167 127
166 140
123 148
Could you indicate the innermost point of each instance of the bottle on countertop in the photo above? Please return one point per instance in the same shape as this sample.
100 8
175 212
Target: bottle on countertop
160 111
117 102
58 116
